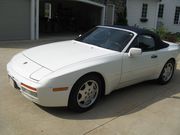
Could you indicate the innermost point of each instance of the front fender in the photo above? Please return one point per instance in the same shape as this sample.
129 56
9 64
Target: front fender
109 68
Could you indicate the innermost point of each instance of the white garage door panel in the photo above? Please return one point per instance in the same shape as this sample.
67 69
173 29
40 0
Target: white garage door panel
14 19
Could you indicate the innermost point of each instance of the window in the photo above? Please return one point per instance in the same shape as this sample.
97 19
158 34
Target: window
161 10
48 10
144 10
146 43
177 16
134 44
108 38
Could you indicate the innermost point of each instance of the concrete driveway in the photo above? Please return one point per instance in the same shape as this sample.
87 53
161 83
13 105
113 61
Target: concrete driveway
142 109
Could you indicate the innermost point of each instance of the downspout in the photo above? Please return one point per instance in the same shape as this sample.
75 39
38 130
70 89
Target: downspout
156 17
37 20
32 18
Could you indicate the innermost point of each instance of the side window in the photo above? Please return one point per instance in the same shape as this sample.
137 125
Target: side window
134 44
146 43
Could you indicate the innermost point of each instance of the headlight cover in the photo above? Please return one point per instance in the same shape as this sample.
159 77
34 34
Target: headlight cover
40 73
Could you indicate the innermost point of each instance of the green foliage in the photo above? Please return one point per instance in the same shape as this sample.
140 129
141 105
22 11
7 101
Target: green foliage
162 32
121 19
168 36
178 37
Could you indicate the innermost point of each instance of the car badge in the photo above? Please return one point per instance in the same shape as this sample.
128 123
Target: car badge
25 63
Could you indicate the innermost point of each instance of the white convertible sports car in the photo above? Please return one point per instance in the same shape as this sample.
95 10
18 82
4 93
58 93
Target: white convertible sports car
77 73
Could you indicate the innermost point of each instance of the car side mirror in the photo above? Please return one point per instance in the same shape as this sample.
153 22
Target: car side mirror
133 52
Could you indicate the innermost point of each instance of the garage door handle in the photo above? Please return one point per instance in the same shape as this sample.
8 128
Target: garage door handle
154 56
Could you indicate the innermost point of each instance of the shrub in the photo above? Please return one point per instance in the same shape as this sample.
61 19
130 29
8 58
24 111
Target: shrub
168 36
162 32
121 19
178 36
171 37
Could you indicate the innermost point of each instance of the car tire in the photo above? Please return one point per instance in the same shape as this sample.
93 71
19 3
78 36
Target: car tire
85 93
167 72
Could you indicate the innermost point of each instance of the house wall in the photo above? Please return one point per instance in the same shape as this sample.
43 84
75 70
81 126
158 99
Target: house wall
120 6
15 19
134 11
168 16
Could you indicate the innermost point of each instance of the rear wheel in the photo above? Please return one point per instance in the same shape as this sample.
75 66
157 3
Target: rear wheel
167 72
85 93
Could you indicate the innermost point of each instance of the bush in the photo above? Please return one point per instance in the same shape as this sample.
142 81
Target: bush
168 36
161 31
121 19
178 36
171 37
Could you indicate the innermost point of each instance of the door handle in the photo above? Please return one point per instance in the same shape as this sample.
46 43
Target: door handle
154 56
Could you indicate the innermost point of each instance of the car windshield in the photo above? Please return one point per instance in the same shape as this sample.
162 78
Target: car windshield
107 37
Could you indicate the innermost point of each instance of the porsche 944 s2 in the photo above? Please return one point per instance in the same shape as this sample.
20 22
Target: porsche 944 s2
77 73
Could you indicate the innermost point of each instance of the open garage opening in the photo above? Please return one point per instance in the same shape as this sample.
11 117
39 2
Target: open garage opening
68 17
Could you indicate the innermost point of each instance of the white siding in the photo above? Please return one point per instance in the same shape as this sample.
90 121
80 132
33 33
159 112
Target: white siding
169 12
134 11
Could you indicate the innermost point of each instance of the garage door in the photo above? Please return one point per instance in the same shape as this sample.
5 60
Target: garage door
14 19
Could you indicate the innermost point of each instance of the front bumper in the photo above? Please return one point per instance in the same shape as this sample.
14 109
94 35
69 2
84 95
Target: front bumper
18 79
44 95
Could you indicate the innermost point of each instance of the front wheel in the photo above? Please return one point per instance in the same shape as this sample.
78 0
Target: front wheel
167 72
85 93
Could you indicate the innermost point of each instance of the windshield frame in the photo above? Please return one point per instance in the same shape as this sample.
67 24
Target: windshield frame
134 34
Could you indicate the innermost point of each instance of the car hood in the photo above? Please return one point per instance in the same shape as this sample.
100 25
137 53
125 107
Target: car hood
57 55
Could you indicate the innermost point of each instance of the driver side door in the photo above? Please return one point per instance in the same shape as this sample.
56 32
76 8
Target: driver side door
141 67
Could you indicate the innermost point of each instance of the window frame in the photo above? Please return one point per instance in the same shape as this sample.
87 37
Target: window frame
137 38
144 10
161 11
154 48
177 15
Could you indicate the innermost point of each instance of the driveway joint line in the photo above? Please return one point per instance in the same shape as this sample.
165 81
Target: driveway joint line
129 111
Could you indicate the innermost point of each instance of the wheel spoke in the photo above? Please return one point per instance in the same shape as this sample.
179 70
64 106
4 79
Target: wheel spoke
88 86
82 99
82 95
94 87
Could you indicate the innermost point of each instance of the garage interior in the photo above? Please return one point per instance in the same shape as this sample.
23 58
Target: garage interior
67 16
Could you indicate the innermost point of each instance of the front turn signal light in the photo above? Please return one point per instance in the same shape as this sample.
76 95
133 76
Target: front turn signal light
28 87
60 89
